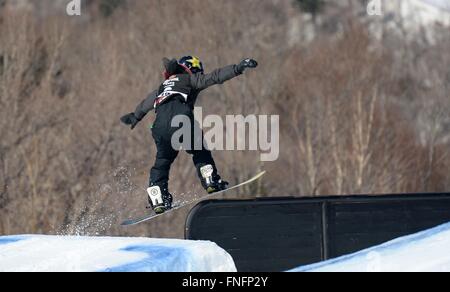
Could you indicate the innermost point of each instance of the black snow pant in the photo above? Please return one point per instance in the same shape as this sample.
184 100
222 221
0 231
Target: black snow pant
162 132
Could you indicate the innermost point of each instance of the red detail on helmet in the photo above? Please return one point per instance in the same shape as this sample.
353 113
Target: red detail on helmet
186 68
166 75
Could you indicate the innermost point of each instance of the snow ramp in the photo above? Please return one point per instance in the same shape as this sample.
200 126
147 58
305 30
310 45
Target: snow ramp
427 251
30 253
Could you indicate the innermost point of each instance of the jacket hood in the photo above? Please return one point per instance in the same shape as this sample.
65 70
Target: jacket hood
172 67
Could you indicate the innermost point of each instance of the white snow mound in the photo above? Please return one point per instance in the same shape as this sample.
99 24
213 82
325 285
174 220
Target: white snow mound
427 251
110 254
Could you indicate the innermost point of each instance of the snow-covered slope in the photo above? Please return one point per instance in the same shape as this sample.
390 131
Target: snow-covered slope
58 253
425 251
411 18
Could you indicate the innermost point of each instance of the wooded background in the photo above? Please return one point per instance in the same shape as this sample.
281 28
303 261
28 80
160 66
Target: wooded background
359 114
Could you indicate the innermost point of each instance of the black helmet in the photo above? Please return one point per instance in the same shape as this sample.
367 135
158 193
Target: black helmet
191 64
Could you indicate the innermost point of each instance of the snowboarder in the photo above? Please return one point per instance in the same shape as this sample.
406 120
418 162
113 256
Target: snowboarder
184 80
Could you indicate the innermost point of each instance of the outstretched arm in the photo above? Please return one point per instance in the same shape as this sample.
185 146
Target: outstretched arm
219 76
146 105
132 119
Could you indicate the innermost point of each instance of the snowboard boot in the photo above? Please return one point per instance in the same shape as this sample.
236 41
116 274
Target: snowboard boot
160 199
210 182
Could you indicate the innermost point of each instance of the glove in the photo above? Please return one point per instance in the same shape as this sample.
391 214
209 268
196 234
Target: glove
130 120
247 63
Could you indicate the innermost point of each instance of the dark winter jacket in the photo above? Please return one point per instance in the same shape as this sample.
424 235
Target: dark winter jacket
185 87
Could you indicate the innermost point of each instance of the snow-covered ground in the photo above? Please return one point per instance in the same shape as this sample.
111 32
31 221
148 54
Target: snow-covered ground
425 251
422 252
59 253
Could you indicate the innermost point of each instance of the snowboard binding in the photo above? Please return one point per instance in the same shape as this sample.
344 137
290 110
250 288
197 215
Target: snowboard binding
160 200
212 183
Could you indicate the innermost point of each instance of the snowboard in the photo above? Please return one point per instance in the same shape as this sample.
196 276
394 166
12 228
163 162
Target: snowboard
179 205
